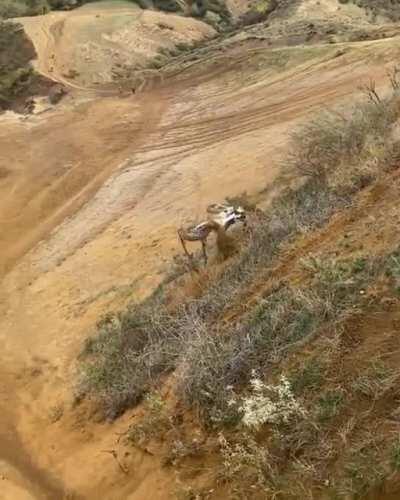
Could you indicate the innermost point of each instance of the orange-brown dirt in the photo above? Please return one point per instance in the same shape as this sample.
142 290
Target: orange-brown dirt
91 193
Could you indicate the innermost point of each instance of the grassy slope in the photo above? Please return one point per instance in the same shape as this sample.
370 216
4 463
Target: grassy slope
304 299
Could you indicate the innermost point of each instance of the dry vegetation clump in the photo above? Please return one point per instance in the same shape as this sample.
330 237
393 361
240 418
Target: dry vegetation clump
281 322
156 421
347 151
130 352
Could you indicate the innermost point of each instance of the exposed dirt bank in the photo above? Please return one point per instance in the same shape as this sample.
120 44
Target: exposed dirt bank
88 47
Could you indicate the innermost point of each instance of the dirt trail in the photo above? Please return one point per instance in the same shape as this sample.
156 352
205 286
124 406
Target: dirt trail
83 48
91 194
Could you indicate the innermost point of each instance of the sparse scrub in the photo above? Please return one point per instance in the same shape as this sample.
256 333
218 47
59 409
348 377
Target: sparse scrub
247 460
21 8
387 8
258 12
280 323
13 8
17 77
393 271
184 492
154 422
130 353
346 152
181 449
364 471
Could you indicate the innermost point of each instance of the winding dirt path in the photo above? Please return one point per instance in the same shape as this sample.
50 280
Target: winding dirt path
83 48
46 31
91 194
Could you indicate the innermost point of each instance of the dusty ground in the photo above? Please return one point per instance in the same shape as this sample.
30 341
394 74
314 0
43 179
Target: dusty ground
91 193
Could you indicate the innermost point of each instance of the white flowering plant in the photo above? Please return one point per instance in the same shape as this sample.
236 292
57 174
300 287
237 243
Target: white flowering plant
272 404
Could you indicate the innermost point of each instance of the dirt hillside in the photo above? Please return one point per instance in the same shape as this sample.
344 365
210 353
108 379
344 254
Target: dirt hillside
89 47
93 190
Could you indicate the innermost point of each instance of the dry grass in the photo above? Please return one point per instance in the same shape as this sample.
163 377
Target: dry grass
281 322
156 422
347 151
129 354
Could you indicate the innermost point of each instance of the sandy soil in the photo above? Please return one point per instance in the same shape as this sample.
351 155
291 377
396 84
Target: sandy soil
91 194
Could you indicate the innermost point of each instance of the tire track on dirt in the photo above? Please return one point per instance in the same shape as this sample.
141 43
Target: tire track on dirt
47 40
41 484
164 142
203 133
119 192
49 54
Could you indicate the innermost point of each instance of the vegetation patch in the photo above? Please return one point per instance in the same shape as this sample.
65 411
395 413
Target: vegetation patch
280 323
18 79
133 349
156 421
387 8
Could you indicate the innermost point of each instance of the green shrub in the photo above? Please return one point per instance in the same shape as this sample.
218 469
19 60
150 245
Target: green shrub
17 77
20 8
